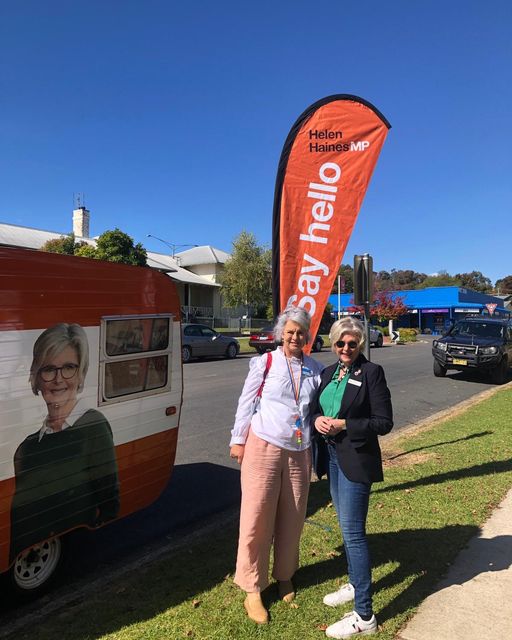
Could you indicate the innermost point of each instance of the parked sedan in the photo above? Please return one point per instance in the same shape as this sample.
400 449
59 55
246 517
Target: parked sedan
200 341
264 341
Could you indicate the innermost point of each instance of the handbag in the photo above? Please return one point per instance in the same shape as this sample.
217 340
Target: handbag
319 455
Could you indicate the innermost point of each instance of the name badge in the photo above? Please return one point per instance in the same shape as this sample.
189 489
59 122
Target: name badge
356 382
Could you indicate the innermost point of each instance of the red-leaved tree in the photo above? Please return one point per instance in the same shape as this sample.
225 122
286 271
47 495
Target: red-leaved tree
388 308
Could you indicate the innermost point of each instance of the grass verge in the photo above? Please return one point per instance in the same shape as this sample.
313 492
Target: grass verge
441 484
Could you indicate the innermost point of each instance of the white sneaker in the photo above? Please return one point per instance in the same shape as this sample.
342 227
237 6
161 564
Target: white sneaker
344 594
350 625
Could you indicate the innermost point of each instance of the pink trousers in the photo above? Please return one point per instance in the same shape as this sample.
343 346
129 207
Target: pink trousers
275 487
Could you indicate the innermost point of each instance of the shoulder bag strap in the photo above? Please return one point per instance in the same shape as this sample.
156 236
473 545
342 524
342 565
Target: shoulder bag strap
265 374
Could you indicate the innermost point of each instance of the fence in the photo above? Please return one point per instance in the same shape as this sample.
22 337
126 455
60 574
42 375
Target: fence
225 320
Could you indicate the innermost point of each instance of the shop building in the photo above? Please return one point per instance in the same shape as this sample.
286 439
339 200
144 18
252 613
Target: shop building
434 309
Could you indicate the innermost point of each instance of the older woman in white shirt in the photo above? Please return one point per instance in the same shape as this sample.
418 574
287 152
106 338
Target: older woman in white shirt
273 447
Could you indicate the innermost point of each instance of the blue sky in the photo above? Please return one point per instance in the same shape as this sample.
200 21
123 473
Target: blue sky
170 118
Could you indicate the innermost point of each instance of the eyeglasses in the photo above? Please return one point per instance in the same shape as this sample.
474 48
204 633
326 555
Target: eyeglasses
67 371
351 344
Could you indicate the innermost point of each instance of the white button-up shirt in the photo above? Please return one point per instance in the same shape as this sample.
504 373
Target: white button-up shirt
78 410
278 410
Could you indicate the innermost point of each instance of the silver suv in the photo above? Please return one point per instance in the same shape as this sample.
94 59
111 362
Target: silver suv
376 337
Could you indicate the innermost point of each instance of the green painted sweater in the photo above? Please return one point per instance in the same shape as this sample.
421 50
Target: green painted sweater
68 479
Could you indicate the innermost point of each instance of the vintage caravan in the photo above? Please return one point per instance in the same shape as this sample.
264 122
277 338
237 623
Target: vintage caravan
90 397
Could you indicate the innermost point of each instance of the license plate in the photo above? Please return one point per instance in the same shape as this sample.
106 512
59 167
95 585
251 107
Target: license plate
460 362
262 338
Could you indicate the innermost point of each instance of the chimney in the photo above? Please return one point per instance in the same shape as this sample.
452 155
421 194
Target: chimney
81 222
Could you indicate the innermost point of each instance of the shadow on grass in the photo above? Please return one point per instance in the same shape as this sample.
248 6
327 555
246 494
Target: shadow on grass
472 436
422 556
487 468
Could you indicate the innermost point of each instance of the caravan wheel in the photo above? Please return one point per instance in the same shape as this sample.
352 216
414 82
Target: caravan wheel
35 568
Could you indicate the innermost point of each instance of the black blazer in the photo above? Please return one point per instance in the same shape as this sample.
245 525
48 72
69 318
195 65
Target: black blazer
366 408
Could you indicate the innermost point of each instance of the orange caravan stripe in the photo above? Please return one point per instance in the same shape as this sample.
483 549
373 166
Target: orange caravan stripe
39 289
144 465
325 168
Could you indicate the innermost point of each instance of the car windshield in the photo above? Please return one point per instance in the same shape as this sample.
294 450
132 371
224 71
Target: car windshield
480 329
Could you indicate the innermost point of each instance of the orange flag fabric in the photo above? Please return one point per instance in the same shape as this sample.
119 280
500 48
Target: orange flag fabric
324 170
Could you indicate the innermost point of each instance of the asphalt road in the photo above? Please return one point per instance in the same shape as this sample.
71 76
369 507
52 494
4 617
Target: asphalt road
205 480
212 389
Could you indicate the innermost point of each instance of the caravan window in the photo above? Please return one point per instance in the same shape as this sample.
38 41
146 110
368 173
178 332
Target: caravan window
136 356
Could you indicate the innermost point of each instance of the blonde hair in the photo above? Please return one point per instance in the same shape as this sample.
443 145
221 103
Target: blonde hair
347 325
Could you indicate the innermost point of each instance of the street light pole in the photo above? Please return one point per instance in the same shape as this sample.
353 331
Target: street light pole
172 246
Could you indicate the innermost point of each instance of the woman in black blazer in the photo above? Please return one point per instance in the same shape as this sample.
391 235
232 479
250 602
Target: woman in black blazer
351 409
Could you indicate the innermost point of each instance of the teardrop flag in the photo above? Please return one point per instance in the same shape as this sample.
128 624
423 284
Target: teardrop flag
326 164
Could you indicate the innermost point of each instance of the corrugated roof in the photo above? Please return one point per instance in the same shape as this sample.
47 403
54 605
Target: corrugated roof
167 263
205 254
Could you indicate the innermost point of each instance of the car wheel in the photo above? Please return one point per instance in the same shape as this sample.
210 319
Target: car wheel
261 350
499 374
186 354
35 569
317 346
380 341
231 351
439 370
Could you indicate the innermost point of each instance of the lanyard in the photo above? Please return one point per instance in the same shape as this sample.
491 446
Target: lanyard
296 386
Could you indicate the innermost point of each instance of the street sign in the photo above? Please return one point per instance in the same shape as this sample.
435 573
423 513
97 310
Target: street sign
491 306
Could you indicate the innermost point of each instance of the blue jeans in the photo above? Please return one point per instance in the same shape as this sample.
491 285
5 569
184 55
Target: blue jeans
351 502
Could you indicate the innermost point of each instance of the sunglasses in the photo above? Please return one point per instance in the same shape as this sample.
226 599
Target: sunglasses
351 344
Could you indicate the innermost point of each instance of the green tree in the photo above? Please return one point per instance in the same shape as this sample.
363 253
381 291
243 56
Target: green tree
247 276
475 280
65 245
405 279
382 281
504 285
441 279
346 273
87 251
116 246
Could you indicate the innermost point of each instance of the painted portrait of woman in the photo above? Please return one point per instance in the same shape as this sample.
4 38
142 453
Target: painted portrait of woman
66 471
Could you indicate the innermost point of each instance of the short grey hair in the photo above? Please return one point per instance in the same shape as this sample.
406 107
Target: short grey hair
54 340
347 325
295 314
